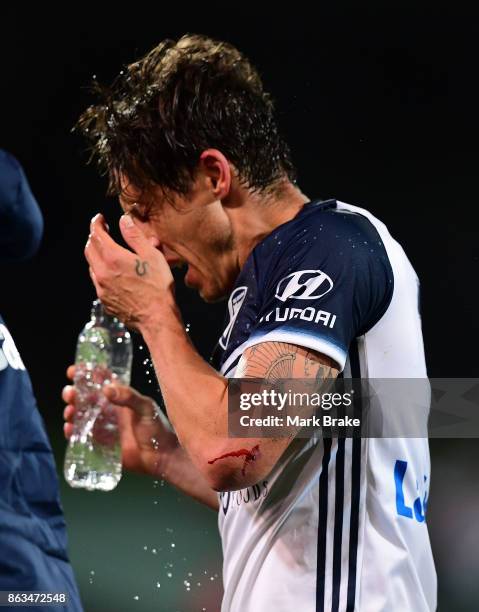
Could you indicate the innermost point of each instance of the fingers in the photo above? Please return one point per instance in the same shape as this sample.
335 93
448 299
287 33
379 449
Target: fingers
101 250
94 280
69 412
126 396
68 415
120 395
133 235
68 394
99 235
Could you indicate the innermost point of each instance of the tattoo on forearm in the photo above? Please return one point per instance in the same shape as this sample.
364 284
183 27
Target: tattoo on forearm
276 360
140 267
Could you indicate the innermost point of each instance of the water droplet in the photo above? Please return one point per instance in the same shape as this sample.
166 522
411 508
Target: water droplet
172 545
158 585
154 551
190 574
140 347
136 597
145 547
169 574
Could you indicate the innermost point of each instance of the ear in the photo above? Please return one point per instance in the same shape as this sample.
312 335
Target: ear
217 172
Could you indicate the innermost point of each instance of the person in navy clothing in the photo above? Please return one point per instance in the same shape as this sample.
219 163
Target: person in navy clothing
33 540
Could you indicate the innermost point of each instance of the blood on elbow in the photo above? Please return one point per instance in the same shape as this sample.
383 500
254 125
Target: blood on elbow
249 456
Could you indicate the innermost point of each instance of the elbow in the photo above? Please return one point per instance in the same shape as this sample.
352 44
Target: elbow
233 470
223 480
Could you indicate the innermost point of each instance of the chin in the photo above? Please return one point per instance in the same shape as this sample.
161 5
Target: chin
211 295
212 298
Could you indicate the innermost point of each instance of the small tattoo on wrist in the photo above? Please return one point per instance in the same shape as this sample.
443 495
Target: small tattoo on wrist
140 267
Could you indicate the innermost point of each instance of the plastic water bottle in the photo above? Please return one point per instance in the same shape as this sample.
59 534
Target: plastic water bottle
104 354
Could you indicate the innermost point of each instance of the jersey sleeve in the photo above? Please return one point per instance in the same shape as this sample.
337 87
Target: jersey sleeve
324 286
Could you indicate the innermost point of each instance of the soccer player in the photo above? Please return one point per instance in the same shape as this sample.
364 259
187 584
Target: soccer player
33 541
316 288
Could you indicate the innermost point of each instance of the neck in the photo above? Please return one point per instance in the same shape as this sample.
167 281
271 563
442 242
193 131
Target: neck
254 216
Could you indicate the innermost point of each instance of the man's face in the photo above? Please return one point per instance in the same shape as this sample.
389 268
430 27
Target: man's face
192 231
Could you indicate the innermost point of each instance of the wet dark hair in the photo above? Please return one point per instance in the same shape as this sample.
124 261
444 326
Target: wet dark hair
183 97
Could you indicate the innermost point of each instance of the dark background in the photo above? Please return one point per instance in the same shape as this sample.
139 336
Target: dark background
378 107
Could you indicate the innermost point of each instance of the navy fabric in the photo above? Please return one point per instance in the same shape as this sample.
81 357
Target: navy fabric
33 542
21 222
319 280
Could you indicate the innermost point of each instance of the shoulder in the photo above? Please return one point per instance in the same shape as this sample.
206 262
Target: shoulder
10 176
9 165
323 234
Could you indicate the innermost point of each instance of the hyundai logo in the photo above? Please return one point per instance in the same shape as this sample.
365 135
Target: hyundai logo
304 285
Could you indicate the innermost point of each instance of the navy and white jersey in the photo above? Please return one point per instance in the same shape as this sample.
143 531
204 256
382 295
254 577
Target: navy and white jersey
339 524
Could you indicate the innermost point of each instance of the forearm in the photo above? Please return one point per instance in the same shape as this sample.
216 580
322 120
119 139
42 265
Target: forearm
180 471
197 405
194 393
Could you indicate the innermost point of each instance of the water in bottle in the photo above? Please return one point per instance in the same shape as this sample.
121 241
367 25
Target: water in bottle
104 355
